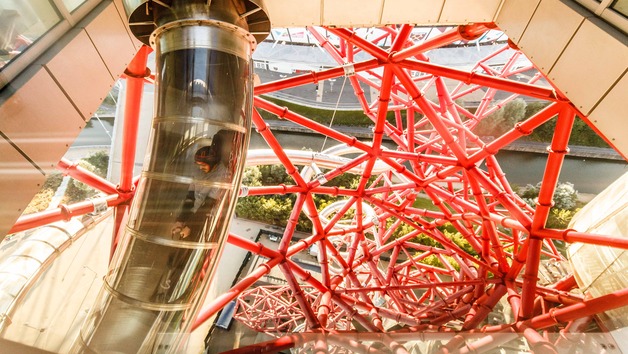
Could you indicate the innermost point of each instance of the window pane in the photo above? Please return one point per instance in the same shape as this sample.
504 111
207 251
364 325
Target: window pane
72 5
621 6
22 23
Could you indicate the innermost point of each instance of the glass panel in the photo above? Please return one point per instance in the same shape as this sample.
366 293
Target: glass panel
72 5
621 6
115 327
22 23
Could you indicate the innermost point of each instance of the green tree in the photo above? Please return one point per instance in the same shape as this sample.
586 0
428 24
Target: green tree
100 162
565 195
79 191
503 119
252 176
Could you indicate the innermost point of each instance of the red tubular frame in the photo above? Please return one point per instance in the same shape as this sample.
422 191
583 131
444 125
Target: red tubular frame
136 74
382 257
544 203
452 159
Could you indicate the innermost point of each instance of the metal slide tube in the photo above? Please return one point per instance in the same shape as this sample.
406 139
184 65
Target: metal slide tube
186 195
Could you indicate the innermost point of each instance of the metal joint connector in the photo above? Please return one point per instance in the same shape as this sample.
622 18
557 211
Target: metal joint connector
100 205
349 69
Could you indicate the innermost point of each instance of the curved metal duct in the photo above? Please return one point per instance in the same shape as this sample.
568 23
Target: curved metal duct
180 217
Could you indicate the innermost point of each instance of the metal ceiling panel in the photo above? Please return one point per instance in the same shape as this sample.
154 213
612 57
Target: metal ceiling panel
111 39
514 17
290 13
545 37
348 13
594 60
19 182
466 11
610 117
79 65
420 12
352 13
40 121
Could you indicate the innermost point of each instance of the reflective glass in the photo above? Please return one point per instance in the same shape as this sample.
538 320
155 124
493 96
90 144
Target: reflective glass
22 23
72 5
621 6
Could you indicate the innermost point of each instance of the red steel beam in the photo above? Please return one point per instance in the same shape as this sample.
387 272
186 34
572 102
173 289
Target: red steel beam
297 292
62 213
575 236
463 32
481 79
268 136
544 203
136 74
312 77
80 174
283 112
253 247
588 307
222 300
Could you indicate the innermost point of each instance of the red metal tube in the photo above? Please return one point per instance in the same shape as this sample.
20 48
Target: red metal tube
307 277
80 174
544 203
64 212
365 45
575 236
135 74
431 114
484 306
537 343
481 79
263 129
565 284
297 292
586 308
523 128
465 32
312 77
232 293
271 346
283 112
253 247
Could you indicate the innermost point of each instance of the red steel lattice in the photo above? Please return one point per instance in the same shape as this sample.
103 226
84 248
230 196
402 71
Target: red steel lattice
369 278
378 281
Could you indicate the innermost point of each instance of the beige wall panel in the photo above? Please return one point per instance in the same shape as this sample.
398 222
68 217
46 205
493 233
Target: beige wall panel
120 9
352 12
78 67
40 120
514 16
592 62
112 41
420 12
465 11
611 116
290 13
19 182
546 37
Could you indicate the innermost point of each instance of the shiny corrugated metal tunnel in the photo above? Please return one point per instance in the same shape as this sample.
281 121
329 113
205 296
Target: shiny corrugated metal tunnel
188 188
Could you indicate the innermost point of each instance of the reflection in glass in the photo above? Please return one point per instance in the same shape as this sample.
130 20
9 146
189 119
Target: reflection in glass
621 6
184 199
22 23
72 5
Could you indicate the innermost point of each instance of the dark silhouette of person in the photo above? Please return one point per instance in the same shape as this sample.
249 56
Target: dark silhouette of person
201 210
202 196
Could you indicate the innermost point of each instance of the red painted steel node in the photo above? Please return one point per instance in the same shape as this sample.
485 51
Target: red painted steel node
432 234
